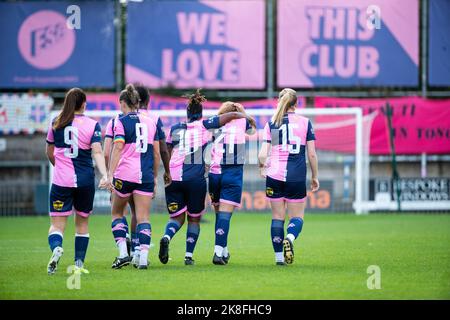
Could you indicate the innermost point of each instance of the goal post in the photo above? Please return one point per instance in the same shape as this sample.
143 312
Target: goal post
343 137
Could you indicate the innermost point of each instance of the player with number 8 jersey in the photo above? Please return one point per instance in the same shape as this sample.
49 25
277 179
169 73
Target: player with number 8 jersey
132 172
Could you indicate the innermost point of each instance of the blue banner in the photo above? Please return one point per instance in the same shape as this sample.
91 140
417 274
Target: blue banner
57 44
439 43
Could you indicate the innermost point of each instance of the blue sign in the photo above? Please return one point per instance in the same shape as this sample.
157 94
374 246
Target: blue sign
439 43
57 44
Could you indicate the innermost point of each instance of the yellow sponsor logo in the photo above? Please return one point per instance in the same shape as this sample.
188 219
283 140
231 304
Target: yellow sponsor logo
58 205
269 191
173 206
118 184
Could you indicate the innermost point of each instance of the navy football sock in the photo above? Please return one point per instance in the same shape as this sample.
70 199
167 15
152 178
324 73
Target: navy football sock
172 228
55 239
81 245
294 228
222 229
192 234
119 232
144 231
277 234
125 222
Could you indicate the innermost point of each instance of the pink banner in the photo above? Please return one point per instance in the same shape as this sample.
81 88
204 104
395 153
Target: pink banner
346 43
186 44
420 125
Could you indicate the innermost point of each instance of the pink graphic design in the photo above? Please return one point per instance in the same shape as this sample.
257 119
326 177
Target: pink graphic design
44 40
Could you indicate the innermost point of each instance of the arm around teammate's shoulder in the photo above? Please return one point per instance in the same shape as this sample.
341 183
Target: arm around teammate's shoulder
230 116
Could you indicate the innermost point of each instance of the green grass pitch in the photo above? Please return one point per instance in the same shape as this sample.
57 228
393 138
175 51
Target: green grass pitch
331 261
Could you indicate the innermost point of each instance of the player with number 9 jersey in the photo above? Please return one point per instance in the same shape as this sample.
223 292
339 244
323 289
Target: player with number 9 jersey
72 140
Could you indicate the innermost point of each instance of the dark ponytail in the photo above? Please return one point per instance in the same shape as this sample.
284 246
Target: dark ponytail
130 96
195 105
73 101
144 96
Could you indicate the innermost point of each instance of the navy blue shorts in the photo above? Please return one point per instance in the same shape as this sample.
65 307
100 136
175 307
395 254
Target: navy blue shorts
125 189
182 196
226 187
277 190
64 199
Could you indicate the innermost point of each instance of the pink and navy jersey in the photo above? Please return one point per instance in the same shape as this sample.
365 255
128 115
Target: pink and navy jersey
229 145
109 133
73 160
288 143
138 132
189 140
157 120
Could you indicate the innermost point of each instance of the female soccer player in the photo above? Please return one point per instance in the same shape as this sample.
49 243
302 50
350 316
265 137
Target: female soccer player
187 192
72 140
226 174
132 173
107 148
286 137
144 99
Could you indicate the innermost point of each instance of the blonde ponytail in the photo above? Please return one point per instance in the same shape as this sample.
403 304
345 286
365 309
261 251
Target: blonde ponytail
286 99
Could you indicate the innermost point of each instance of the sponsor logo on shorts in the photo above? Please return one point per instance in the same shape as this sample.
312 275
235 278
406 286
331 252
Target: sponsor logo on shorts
58 205
269 191
173 207
118 184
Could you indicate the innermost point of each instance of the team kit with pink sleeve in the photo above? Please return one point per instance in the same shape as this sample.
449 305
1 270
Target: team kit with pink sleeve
134 173
286 168
73 185
227 162
187 192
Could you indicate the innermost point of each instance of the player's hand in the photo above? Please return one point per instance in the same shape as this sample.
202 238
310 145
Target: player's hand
110 184
104 183
315 184
262 172
167 179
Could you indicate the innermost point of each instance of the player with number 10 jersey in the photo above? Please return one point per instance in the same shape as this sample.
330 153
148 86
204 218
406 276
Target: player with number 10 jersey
186 194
